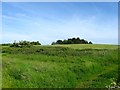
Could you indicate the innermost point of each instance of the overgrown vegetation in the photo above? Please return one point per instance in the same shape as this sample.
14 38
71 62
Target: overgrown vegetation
24 44
6 44
60 67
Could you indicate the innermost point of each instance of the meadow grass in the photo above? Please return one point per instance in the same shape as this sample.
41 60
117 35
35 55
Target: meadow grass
89 46
62 66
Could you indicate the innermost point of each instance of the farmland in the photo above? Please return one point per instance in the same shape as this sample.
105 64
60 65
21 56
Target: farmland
60 66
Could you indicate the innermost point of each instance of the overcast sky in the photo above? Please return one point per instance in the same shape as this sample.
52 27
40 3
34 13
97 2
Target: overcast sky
50 21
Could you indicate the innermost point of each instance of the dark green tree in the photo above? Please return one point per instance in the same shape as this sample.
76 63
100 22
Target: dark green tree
90 42
59 42
72 41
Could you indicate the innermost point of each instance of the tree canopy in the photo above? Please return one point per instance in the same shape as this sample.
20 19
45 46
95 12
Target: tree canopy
72 41
25 43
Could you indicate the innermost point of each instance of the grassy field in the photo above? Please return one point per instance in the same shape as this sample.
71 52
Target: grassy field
60 66
89 46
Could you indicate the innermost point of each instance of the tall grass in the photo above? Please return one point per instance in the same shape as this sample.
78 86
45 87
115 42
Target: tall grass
58 67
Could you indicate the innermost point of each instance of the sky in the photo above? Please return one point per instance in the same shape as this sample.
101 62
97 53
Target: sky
49 21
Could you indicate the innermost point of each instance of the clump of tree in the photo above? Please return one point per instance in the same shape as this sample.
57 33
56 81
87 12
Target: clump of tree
25 43
35 43
72 41
6 44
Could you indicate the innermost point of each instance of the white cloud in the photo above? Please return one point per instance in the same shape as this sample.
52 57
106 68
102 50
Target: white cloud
8 17
88 29
20 15
47 31
9 37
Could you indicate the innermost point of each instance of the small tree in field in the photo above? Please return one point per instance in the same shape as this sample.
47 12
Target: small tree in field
90 42
53 43
35 43
21 44
24 44
15 44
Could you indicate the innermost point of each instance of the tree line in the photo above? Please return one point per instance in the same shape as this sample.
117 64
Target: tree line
72 41
24 43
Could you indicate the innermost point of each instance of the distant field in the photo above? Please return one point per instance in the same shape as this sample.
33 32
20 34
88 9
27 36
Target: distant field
89 46
60 66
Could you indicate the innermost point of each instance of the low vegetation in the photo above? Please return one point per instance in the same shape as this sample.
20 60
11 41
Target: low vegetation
24 44
60 66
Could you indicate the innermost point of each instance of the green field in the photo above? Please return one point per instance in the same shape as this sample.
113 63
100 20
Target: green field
89 46
60 66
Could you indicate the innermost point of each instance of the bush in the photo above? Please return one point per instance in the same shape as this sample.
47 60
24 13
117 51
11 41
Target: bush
24 44
72 41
